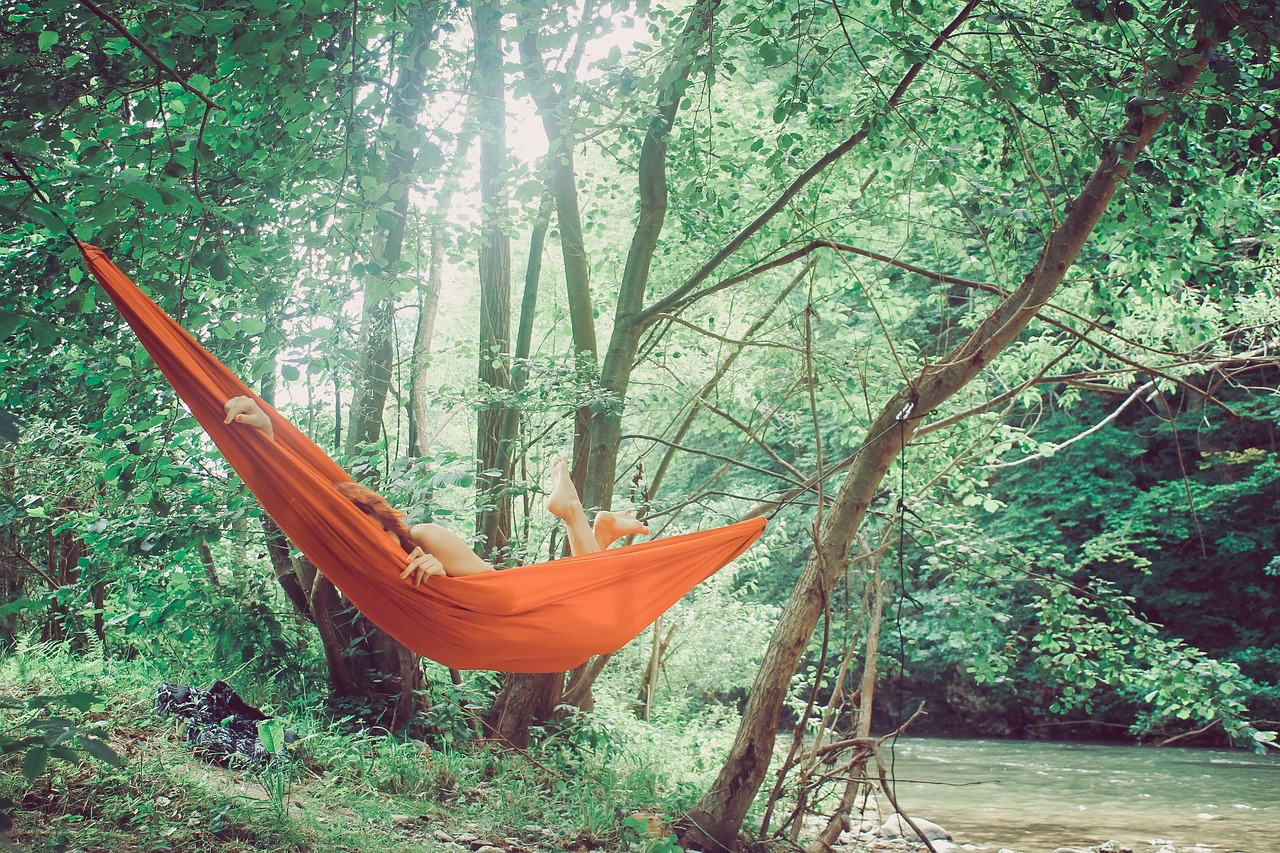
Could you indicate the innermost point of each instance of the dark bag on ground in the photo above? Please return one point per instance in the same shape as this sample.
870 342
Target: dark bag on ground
220 724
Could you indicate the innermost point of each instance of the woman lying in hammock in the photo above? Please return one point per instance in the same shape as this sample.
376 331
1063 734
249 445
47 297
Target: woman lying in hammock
435 550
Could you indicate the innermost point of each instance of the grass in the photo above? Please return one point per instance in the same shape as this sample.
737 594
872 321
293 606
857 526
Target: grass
347 789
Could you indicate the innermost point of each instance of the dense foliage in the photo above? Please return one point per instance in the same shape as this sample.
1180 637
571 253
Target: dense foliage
775 221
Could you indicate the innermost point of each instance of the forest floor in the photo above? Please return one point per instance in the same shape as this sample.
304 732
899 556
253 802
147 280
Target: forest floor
345 793
368 794
343 787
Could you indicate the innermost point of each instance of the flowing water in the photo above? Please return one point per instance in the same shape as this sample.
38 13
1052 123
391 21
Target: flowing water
1035 797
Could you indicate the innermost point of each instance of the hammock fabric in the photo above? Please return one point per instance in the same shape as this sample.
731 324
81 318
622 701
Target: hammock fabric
548 617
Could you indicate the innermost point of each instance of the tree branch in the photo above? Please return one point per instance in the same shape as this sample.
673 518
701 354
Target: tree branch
674 298
149 53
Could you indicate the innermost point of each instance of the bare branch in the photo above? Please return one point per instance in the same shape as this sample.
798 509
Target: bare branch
1090 431
764 344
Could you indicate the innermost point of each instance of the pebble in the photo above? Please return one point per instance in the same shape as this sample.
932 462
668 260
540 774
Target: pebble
441 835
488 848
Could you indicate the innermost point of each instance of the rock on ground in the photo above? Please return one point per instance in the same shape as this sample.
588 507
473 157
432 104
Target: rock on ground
896 827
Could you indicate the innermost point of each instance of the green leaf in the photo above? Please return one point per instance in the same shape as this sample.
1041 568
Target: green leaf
271 733
9 321
219 269
47 39
99 750
142 191
80 701
10 430
34 762
44 217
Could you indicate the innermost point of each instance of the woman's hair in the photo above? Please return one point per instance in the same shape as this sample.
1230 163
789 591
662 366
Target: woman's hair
376 507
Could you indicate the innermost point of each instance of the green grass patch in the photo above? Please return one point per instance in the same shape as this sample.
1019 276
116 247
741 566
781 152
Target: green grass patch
344 788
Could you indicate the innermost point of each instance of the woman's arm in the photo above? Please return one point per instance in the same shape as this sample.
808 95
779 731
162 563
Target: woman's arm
454 555
245 410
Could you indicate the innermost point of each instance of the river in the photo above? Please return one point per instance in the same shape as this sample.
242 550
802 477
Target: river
1034 797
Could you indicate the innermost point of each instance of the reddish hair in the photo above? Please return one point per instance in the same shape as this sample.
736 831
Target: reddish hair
376 507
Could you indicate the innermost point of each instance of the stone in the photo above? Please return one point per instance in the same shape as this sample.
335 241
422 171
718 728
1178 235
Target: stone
488 848
896 827
441 835
466 837
1073 850
1113 847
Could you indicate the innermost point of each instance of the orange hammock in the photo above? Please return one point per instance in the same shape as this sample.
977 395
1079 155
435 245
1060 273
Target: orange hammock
548 617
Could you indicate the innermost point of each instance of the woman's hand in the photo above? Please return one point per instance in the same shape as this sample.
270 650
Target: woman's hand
245 410
421 566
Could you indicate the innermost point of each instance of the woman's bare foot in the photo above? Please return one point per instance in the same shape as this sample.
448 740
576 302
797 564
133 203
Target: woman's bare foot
612 526
562 500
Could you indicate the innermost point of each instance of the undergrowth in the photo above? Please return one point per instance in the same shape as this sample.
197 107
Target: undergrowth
346 787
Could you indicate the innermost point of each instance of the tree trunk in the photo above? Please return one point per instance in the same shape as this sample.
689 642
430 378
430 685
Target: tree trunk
429 300
428 303
373 373
526 697
529 299
564 189
363 661
495 428
715 820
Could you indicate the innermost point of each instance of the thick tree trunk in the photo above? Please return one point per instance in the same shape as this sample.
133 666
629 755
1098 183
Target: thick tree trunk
524 698
714 822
